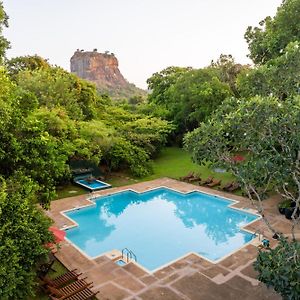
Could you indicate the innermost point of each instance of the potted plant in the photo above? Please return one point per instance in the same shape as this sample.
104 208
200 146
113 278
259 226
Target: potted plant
289 211
283 205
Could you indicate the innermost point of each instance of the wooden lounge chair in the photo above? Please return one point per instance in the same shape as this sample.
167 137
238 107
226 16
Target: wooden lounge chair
68 290
61 280
215 182
207 181
187 177
235 186
84 294
227 186
195 178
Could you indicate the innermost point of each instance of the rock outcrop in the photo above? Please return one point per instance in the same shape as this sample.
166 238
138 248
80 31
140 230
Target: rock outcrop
103 70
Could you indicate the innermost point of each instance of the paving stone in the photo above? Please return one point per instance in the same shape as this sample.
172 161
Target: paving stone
198 287
128 282
239 283
250 272
73 259
170 278
134 270
99 276
160 293
120 272
112 292
148 279
101 259
240 258
180 264
192 258
214 271
198 262
164 272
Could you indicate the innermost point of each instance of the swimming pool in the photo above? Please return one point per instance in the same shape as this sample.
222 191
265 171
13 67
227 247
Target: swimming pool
160 226
93 185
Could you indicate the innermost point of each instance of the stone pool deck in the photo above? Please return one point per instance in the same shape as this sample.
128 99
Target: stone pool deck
190 278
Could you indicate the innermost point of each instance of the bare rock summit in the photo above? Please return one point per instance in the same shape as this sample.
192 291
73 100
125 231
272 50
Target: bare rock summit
103 70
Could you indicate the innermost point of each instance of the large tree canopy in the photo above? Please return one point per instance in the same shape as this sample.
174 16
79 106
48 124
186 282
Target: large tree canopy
229 71
270 39
188 95
22 63
268 130
4 44
279 77
23 234
160 82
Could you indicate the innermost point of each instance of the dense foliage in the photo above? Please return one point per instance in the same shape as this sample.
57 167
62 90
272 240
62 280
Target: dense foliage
50 116
280 268
4 44
189 96
23 232
279 77
274 34
264 127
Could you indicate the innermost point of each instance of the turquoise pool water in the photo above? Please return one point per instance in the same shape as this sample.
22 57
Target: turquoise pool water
93 185
160 226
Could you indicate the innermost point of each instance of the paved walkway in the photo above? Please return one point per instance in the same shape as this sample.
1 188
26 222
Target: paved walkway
191 278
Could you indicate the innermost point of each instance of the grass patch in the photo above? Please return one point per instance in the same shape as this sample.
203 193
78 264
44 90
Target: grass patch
172 162
59 270
69 190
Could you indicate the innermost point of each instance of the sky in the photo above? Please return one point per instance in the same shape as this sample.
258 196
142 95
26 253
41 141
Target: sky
145 35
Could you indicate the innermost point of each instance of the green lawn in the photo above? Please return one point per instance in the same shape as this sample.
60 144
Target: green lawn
172 162
69 190
59 270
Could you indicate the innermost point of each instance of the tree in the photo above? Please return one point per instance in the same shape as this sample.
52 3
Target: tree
194 96
269 130
56 87
279 77
124 154
160 82
4 44
22 63
132 139
229 71
270 39
148 133
23 234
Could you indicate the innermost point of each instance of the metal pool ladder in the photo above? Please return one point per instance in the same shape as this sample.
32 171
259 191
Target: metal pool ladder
259 233
128 254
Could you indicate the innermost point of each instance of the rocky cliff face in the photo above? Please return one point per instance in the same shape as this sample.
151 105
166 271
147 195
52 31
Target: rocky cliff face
103 70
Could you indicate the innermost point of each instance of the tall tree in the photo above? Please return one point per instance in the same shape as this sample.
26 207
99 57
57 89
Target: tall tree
279 76
29 62
274 34
23 234
229 70
160 82
4 44
194 96
269 130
